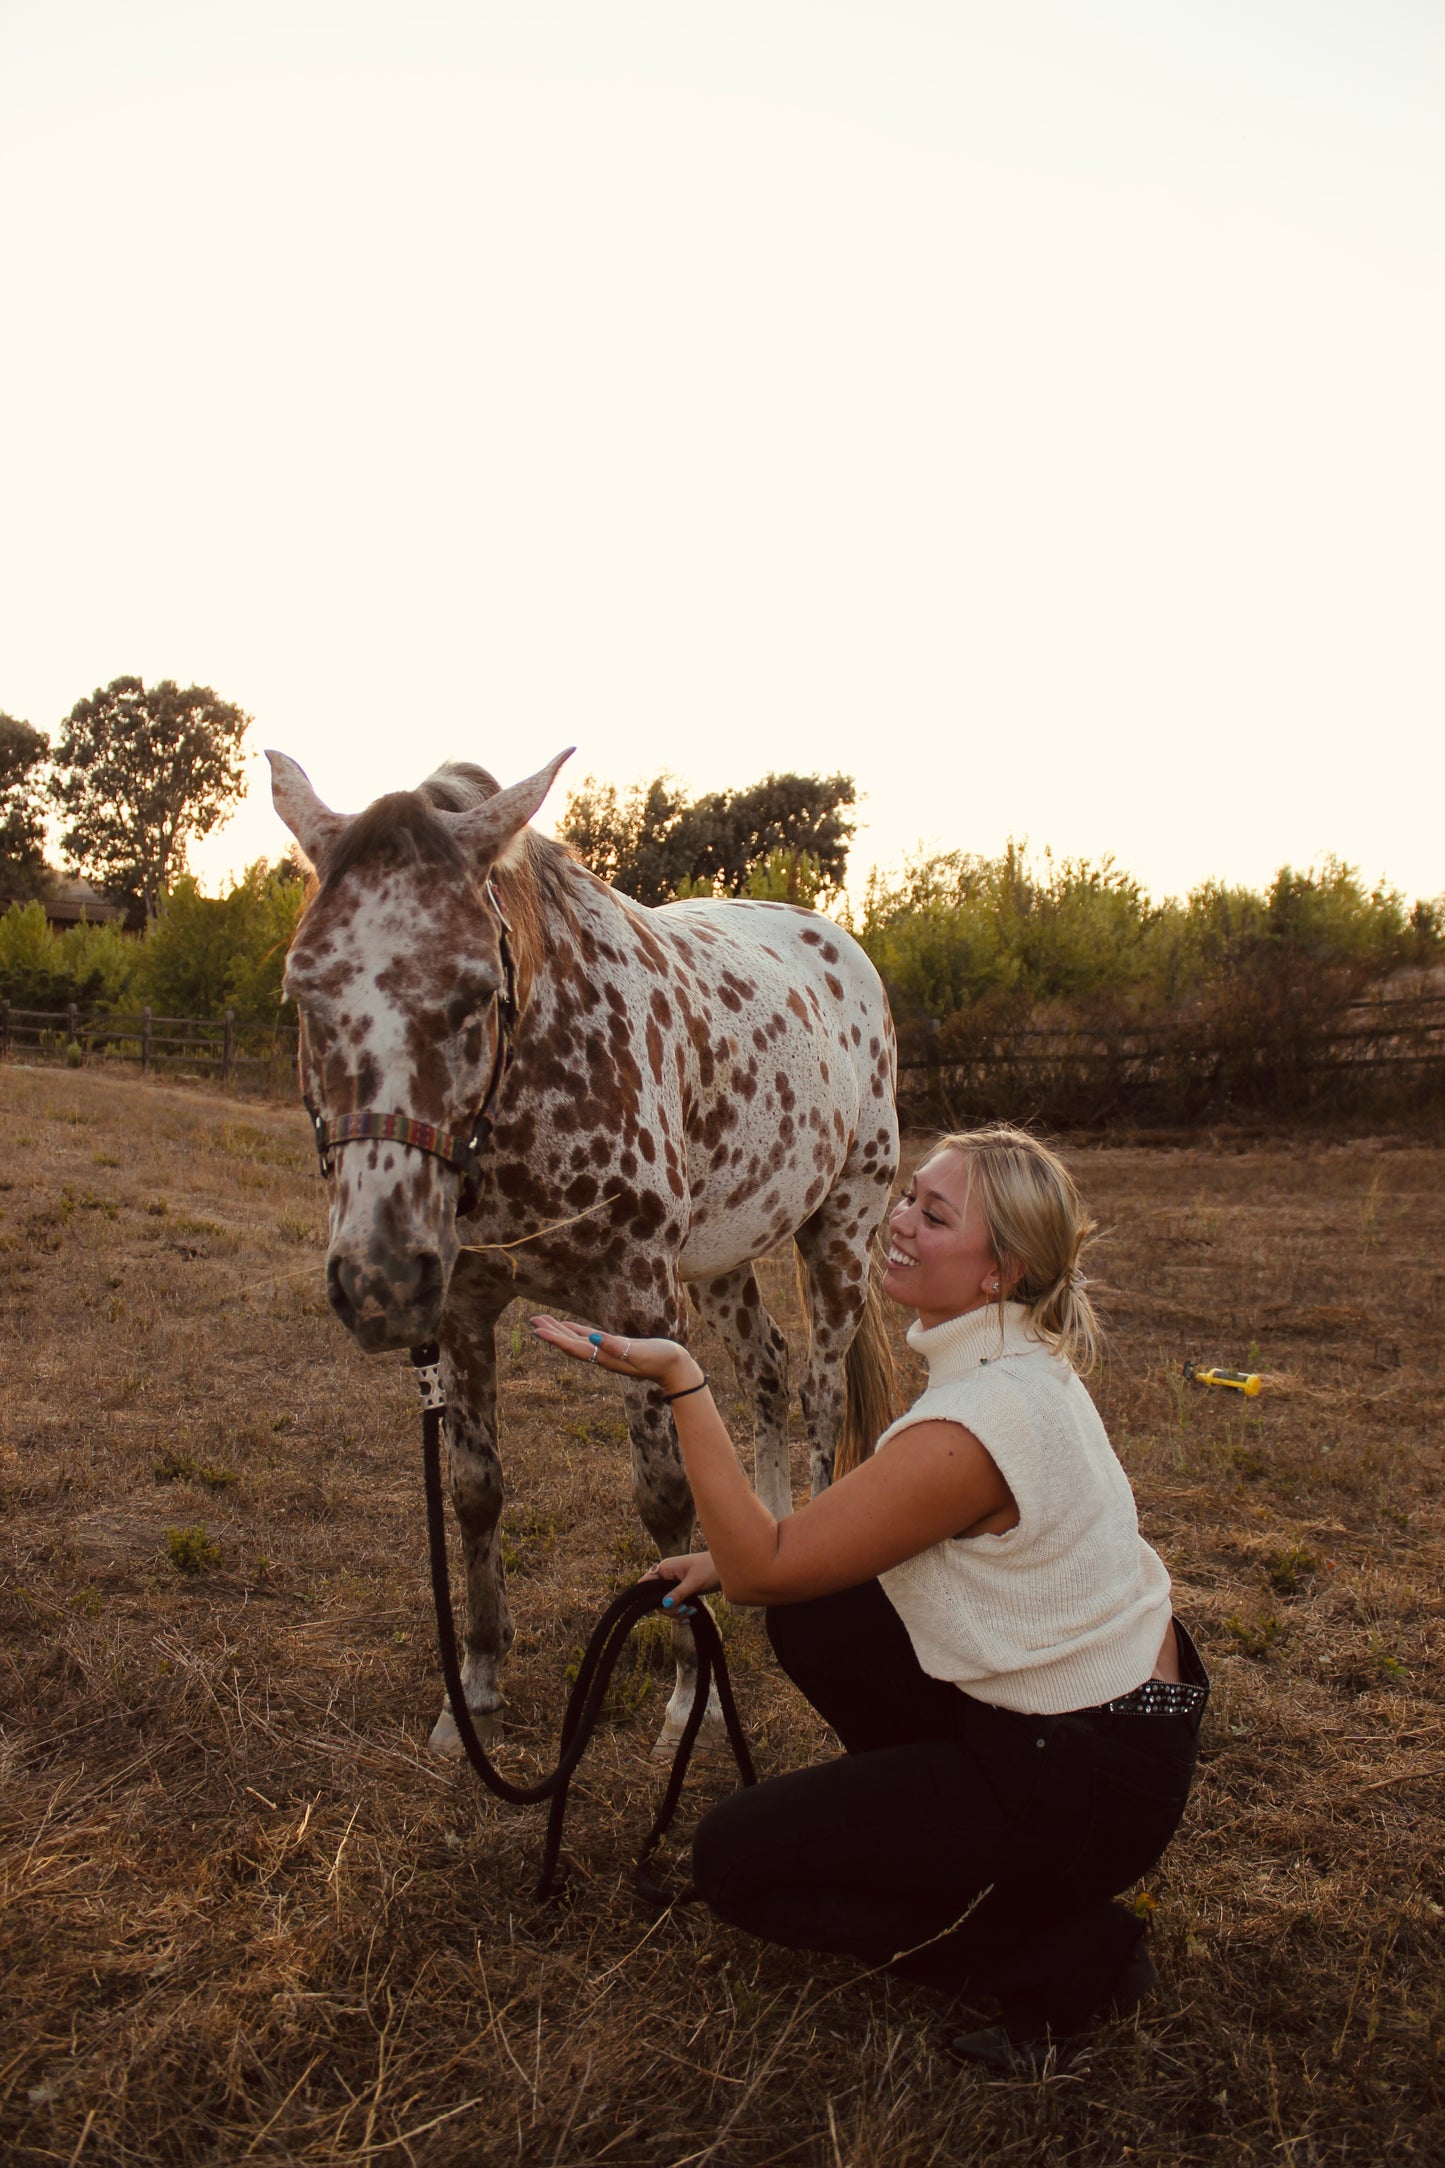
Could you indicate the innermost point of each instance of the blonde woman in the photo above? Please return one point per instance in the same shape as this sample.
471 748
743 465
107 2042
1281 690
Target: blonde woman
975 1613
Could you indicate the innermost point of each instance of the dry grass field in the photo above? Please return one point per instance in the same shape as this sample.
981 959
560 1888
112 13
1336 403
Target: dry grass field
246 1918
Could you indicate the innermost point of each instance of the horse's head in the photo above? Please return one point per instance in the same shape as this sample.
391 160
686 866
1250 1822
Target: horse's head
397 972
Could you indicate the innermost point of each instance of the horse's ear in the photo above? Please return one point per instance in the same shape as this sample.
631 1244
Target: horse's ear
489 829
313 824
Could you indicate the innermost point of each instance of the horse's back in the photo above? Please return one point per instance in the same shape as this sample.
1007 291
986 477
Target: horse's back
791 1073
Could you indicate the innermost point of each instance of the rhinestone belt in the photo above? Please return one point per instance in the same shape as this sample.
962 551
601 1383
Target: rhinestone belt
1160 1697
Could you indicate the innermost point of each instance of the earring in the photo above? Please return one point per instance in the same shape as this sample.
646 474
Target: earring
993 1287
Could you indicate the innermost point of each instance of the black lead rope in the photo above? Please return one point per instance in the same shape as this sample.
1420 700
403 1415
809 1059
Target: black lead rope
593 1677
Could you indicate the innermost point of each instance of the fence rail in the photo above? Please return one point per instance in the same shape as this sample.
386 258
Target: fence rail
231 1048
1384 1057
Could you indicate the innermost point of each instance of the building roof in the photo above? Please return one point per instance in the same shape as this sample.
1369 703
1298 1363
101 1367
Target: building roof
72 901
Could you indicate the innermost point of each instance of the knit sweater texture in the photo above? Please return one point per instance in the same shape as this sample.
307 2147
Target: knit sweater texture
1068 1608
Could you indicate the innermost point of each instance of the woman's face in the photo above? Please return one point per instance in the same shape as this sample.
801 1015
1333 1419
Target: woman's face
939 1260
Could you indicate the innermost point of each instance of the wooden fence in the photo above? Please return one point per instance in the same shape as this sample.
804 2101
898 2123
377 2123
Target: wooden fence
228 1049
1382 1058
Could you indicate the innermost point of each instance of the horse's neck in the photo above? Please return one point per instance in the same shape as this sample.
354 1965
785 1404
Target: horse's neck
565 913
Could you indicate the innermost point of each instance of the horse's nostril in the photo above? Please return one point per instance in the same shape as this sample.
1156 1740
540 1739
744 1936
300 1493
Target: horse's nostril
427 1272
338 1294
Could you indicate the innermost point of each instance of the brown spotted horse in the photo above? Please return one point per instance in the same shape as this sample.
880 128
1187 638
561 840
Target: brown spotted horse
523 1083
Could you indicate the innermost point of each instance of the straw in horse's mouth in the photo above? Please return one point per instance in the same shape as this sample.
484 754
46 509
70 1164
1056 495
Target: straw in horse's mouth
553 1227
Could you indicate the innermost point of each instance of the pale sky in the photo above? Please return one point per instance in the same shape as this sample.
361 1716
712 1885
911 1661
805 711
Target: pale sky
1035 410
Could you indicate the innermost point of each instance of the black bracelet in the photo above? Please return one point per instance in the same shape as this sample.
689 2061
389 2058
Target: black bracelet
669 1397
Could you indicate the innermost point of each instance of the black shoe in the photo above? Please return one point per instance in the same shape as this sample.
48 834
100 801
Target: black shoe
1137 1977
1020 2058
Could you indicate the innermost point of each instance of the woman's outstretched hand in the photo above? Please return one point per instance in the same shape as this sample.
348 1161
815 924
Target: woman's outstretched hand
695 1575
661 1362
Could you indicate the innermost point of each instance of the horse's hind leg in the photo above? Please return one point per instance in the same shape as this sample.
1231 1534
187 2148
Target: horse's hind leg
834 1247
469 1376
733 1305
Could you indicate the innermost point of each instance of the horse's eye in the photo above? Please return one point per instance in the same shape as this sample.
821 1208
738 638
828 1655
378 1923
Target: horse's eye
467 1004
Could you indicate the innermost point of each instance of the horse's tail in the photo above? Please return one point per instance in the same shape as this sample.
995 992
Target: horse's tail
871 1379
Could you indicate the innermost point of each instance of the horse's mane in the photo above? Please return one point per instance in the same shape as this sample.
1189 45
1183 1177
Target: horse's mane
404 828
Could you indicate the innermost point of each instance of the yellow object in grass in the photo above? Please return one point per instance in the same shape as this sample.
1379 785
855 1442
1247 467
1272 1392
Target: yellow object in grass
1248 1382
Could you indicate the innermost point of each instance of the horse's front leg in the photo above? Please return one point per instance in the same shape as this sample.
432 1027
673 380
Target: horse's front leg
469 1379
664 1503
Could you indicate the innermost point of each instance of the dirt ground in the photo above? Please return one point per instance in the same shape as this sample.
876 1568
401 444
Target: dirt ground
247 1917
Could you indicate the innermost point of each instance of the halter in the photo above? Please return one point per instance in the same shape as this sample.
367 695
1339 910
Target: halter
461 1149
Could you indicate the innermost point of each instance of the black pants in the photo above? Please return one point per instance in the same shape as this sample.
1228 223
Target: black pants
942 1807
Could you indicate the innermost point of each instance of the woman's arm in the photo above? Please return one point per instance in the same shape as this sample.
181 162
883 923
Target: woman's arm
935 1480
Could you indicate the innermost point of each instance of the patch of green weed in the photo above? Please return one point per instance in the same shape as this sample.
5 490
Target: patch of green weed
526 1538
1290 1568
191 1549
1256 1638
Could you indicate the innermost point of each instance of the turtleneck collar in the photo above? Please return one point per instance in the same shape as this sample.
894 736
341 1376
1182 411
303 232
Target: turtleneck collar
963 1344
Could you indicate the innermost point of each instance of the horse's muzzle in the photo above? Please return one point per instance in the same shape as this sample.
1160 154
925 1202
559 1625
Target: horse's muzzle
388 1309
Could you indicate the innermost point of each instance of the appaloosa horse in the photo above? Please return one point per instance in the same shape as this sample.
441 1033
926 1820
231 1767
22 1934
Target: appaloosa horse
498 1049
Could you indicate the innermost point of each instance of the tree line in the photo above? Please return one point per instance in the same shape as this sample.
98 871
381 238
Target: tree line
967 945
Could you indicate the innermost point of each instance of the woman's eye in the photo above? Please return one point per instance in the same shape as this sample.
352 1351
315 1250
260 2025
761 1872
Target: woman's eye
910 1198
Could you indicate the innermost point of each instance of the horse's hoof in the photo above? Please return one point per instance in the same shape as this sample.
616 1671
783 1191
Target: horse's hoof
447 1740
712 1733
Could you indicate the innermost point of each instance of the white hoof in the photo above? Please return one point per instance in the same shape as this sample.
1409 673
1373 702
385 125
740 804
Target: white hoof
711 1735
447 1740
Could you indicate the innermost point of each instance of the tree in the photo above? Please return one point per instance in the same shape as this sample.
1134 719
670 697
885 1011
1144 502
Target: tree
652 843
138 774
624 838
23 871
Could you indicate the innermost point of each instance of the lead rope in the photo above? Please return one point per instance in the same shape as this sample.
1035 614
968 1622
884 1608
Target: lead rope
593 1677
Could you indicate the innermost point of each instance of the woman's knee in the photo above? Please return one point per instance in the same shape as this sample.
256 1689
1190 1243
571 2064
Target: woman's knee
728 1850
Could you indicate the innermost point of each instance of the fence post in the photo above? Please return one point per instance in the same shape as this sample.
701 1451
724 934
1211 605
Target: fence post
72 1023
4 1027
145 1039
228 1049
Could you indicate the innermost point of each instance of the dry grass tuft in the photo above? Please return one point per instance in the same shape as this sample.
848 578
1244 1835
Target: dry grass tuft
247 1918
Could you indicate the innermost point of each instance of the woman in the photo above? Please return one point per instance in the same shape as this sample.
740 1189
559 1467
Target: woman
974 1612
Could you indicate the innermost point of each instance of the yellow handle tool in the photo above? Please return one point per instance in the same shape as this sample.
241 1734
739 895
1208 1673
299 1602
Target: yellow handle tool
1248 1382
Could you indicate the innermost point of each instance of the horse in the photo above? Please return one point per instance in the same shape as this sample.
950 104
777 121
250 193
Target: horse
523 1083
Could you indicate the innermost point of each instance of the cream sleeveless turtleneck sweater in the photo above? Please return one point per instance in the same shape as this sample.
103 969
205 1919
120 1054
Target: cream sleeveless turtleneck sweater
1068 1608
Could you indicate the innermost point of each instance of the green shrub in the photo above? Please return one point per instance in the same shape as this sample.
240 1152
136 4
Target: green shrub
44 970
205 954
1255 1637
191 1549
199 957
1290 1568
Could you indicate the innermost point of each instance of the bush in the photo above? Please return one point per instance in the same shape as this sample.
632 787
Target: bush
43 970
1003 939
206 954
201 956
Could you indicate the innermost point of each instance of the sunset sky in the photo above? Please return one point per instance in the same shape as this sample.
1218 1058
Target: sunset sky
1036 411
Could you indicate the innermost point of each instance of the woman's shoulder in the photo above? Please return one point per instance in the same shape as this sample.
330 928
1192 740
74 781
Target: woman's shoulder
1017 1388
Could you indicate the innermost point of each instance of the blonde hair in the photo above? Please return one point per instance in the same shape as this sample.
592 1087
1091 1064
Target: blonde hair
1037 1227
